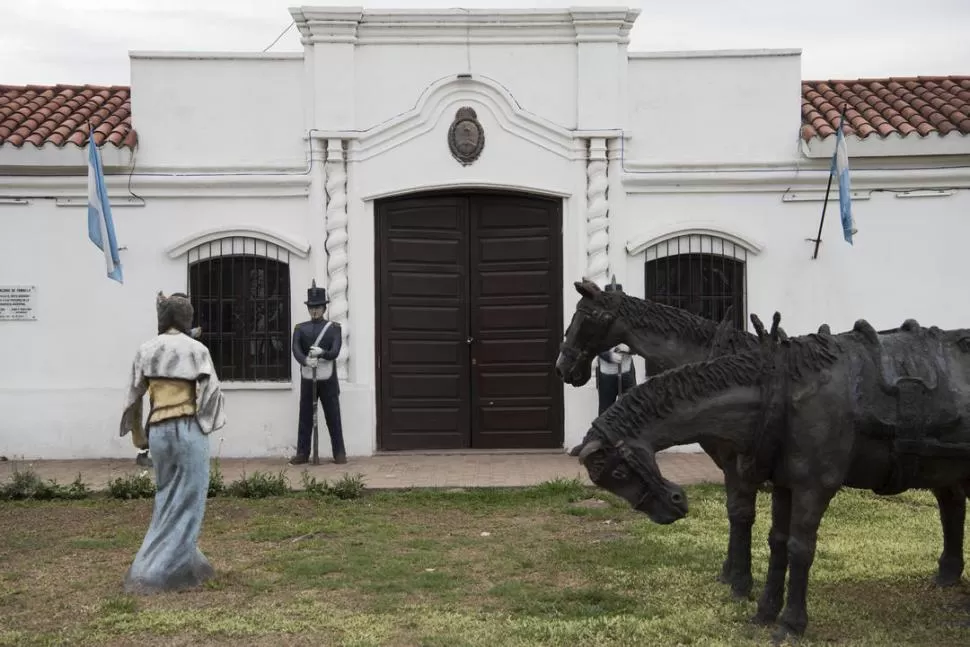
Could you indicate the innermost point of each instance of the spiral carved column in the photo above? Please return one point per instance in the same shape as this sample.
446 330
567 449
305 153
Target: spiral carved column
339 308
597 214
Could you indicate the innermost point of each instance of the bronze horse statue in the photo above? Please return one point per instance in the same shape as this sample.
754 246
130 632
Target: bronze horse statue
885 412
671 337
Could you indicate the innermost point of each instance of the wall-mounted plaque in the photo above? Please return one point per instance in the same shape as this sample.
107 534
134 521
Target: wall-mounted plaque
18 303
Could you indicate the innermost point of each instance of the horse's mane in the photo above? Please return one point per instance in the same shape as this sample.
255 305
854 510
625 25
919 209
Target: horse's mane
674 322
659 396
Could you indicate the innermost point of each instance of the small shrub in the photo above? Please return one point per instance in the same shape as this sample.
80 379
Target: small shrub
573 489
77 490
259 485
347 487
217 484
23 484
132 486
26 484
314 488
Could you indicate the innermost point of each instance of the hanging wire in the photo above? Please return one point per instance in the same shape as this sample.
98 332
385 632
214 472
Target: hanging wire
288 27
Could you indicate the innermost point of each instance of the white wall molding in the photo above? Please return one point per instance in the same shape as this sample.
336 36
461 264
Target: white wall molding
75 187
182 247
779 178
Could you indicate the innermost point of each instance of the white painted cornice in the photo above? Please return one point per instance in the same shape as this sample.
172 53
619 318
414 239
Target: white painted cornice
603 25
642 178
182 247
71 189
327 24
14 160
643 241
441 99
716 53
215 56
894 145
461 26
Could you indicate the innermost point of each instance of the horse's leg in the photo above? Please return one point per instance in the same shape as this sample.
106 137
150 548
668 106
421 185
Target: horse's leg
774 593
729 485
953 511
741 500
808 506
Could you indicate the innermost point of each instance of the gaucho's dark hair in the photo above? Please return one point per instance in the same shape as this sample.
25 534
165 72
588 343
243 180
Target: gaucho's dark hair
174 311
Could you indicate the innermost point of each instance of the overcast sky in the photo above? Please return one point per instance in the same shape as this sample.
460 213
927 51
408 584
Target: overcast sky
87 41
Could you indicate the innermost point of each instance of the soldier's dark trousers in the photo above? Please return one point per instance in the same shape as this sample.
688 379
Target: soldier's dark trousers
608 386
331 414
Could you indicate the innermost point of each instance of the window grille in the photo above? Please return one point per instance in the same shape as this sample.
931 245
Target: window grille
701 274
240 289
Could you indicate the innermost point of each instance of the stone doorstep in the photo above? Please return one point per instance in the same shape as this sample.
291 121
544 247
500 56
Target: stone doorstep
387 471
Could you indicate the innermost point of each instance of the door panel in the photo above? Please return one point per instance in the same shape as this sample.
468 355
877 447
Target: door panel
516 323
423 313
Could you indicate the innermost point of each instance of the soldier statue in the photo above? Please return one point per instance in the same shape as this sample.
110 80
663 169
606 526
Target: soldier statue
316 344
615 373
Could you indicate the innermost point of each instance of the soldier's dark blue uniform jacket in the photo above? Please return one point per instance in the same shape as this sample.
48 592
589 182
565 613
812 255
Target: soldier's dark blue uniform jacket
303 336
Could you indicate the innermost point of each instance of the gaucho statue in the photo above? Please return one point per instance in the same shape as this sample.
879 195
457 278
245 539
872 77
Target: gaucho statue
186 405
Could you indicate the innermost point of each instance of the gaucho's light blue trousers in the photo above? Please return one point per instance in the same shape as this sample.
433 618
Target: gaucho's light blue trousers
169 558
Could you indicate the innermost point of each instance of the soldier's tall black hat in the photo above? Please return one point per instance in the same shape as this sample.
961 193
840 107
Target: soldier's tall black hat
613 286
316 296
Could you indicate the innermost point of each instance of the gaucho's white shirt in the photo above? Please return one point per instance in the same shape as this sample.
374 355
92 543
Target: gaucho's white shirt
173 355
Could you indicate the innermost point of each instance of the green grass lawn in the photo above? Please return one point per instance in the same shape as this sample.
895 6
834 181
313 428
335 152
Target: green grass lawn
487 568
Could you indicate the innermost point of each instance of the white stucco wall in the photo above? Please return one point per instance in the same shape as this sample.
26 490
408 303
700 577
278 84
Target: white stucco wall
221 111
721 107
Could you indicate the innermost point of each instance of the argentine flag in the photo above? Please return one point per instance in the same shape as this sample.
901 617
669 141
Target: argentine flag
840 168
101 229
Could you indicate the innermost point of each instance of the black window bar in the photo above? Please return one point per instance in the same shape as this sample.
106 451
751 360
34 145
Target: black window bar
701 274
240 289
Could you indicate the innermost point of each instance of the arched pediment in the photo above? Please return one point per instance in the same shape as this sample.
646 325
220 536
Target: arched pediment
441 100
643 242
222 233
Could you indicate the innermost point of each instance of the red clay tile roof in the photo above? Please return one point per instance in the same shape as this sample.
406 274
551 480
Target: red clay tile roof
922 105
60 114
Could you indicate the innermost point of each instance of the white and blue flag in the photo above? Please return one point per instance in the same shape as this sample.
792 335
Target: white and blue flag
840 168
101 229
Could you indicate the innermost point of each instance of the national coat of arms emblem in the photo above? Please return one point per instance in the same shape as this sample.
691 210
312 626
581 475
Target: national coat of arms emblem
466 137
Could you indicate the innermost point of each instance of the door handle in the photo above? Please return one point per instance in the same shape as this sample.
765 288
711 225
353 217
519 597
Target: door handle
469 340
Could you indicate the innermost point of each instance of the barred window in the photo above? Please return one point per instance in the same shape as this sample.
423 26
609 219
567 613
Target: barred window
698 273
240 289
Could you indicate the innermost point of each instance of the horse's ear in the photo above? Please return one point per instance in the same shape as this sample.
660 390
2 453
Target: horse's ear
160 297
587 288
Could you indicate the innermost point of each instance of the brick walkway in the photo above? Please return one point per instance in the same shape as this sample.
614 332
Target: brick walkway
391 471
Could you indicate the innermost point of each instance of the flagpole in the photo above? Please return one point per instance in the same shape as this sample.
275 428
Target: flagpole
828 188
825 204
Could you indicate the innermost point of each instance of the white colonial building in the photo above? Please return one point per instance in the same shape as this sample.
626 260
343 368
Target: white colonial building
447 175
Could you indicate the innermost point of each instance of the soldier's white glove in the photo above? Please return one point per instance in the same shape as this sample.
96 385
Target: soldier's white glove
619 353
315 351
312 362
195 333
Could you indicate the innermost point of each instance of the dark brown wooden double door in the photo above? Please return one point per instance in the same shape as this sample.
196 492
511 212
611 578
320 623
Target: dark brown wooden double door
469 322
